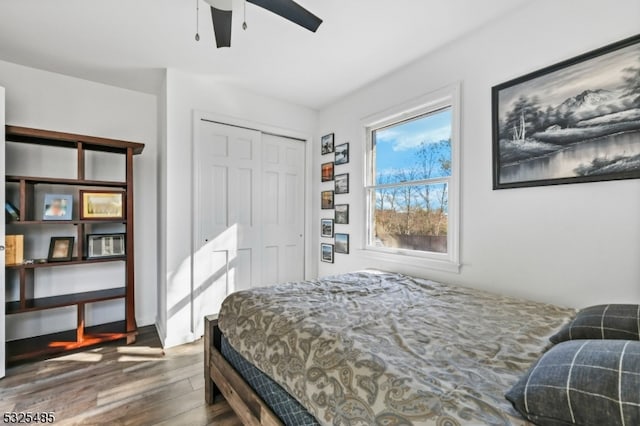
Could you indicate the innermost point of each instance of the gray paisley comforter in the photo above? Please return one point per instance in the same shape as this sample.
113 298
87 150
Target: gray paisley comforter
374 348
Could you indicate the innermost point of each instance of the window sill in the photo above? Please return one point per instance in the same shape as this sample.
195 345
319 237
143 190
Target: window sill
422 262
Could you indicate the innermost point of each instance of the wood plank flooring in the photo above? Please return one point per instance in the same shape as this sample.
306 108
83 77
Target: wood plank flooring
118 384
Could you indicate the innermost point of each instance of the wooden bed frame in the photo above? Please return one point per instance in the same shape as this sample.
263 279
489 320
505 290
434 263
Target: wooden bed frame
222 379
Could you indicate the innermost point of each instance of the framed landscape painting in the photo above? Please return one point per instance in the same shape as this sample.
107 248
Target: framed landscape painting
327 144
327 172
342 153
326 200
326 252
576 121
326 228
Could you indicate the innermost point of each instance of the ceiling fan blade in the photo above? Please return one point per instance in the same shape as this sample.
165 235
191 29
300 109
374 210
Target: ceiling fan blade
292 11
222 26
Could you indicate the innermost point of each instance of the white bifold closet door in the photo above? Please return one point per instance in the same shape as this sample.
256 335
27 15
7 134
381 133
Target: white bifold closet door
249 213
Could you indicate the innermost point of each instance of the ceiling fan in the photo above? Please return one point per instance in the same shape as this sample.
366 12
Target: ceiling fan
221 12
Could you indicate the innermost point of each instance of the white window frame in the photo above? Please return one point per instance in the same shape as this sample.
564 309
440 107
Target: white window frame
446 97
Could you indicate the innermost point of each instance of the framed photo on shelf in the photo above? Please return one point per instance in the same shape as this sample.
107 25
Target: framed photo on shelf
342 243
342 183
60 249
327 172
326 251
342 214
101 205
327 200
342 153
327 143
572 122
105 245
57 207
326 228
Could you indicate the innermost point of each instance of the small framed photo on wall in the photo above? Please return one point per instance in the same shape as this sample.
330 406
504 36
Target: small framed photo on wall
342 214
327 200
342 153
326 251
327 143
342 243
327 172
326 228
342 183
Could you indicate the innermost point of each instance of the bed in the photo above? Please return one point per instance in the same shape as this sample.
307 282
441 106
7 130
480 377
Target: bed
374 348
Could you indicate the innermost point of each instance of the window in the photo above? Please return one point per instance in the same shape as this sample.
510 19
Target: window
412 180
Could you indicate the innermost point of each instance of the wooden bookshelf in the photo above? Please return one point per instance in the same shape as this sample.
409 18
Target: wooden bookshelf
81 336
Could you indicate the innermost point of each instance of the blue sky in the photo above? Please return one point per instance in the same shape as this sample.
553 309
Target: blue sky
396 146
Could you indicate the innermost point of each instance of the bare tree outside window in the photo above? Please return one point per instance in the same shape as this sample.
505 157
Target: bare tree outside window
411 173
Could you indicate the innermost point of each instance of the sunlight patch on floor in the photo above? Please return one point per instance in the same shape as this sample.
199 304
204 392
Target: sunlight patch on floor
139 350
134 358
79 357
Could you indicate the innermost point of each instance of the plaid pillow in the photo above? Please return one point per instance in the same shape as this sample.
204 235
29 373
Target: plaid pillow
602 322
582 382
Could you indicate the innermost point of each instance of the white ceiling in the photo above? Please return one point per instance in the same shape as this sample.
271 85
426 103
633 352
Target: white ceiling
127 43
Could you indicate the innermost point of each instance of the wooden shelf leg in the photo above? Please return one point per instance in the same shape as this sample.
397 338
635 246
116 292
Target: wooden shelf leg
80 329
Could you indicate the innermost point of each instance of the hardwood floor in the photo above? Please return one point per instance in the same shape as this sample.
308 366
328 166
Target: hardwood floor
116 384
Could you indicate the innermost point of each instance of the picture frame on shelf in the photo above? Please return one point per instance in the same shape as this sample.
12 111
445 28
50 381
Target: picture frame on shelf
342 153
12 214
57 207
327 144
327 172
326 228
326 200
101 205
106 245
342 214
572 122
326 252
342 183
342 243
61 249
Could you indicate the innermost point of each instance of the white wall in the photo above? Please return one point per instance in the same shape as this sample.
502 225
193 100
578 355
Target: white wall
573 245
188 94
46 100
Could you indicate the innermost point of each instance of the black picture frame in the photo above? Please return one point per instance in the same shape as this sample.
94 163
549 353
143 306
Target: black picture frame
326 252
326 200
571 122
327 144
326 228
327 172
341 154
341 183
100 246
341 212
341 244
61 249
